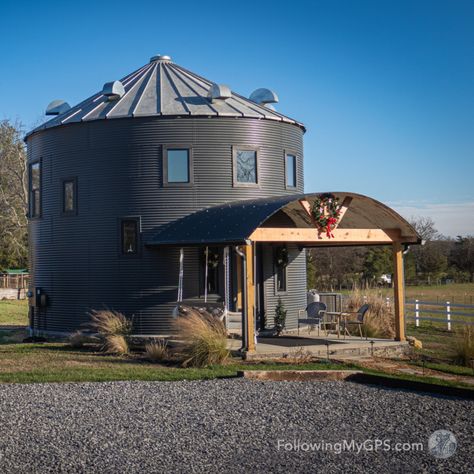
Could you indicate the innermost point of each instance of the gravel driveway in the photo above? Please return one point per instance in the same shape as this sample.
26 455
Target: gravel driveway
227 426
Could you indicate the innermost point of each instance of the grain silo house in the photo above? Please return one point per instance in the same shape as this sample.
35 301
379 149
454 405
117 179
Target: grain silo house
166 188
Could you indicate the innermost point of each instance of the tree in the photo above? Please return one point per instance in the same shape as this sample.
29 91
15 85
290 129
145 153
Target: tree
13 197
462 255
378 262
430 259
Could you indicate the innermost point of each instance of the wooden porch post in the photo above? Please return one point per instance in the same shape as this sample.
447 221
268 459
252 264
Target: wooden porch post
399 291
250 287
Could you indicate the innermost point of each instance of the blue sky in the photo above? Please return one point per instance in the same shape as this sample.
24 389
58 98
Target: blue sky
385 88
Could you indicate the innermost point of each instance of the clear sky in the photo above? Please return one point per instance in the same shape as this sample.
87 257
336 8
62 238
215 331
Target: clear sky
385 88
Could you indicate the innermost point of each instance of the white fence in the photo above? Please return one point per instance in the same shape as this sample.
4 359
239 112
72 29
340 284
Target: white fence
423 310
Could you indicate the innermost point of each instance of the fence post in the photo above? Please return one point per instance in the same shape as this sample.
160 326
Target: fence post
448 314
417 313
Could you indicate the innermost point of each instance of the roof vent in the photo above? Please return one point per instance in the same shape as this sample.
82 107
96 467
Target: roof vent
160 57
218 92
263 96
57 107
113 90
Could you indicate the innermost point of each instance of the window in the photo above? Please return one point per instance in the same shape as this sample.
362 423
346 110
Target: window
129 235
177 166
70 196
245 167
290 168
213 261
35 189
281 264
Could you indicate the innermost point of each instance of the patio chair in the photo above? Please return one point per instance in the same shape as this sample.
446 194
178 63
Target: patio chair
314 315
358 321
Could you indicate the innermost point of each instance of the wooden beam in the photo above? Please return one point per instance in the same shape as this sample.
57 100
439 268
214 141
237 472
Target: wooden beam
312 236
399 291
343 209
250 287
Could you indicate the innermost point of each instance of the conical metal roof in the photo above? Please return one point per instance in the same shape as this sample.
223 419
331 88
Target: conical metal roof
162 88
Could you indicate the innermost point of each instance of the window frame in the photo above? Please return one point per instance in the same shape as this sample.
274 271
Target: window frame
238 184
177 146
138 227
285 270
287 153
30 189
73 212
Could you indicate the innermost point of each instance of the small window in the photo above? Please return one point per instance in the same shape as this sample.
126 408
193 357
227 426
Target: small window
245 167
70 196
281 264
35 189
177 167
130 231
290 167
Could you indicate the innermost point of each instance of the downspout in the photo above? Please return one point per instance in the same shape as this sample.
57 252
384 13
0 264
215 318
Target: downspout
244 299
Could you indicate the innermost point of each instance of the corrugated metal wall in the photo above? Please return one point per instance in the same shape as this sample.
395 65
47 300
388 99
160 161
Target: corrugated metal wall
118 166
294 298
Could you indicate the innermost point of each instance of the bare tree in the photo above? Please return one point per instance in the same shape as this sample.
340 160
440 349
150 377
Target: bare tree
13 196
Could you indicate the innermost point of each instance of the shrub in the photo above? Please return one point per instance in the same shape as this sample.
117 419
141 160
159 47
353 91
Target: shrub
77 339
464 346
108 322
203 339
115 344
379 321
156 350
280 317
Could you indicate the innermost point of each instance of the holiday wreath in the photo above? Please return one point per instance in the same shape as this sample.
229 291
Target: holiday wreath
326 213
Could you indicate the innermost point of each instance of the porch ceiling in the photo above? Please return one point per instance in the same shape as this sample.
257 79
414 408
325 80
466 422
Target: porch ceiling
287 219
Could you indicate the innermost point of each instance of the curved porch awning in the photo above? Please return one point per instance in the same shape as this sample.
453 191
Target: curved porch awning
363 221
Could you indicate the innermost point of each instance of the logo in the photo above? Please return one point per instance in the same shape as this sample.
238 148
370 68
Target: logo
442 444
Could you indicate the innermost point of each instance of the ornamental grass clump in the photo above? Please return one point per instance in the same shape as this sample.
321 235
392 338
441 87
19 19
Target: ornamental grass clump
157 350
113 328
463 346
203 339
115 344
379 321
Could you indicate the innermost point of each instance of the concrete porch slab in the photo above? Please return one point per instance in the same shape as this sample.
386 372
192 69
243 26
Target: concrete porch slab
322 347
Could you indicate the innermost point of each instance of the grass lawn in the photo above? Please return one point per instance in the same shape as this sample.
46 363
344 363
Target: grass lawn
58 362
13 312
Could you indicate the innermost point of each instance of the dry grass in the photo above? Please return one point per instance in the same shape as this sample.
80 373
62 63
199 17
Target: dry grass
76 340
203 339
115 344
464 347
157 350
300 357
379 321
108 322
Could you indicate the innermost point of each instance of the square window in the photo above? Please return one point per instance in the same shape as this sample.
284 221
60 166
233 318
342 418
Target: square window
290 166
177 165
129 236
245 167
69 196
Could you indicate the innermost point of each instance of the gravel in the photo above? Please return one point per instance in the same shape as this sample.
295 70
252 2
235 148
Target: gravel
231 425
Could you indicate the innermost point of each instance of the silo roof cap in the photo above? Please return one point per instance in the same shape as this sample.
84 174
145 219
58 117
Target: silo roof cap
165 89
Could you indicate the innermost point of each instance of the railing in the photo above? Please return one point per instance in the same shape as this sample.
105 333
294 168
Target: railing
14 281
416 310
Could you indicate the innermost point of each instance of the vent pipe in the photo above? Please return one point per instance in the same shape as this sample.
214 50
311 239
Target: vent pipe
57 107
113 90
263 96
219 92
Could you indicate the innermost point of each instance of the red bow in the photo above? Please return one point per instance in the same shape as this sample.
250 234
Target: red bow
331 222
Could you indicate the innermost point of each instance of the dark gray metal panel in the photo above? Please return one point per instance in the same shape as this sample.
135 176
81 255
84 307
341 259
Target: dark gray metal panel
294 298
118 168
